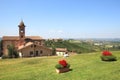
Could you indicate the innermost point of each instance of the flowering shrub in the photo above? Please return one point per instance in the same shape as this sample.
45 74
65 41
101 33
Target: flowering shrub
106 53
62 64
107 56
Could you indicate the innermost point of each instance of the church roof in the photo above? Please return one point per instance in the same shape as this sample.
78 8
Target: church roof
17 37
34 37
10 38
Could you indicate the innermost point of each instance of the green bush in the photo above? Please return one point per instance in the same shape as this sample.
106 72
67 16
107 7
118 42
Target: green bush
59 66
12 52
108 58
4 57
68 65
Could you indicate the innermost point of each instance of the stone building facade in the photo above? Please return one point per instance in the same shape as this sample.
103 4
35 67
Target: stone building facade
24 44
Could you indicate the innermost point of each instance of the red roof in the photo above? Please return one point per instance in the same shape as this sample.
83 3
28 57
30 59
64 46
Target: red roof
10 38
61 49
34 37
17 37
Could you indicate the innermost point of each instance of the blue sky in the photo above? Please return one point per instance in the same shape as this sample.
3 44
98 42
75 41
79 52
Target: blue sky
61 18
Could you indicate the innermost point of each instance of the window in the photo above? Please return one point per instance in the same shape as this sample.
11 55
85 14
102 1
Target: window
34 45
36 53
31 53
39 43
41 52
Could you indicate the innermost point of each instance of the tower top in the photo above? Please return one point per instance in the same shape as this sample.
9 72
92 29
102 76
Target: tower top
21 23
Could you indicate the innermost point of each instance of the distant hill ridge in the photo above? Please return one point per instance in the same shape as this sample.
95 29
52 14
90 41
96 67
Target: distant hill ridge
71 47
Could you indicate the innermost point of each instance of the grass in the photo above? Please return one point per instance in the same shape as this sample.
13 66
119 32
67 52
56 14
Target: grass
84 67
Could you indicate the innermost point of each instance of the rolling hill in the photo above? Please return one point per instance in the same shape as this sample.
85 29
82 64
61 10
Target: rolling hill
76 47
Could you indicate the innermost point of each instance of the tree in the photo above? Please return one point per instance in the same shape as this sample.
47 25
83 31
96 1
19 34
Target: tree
53 50
12 52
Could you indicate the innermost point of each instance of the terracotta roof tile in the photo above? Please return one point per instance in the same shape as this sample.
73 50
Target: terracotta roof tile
34 37
10 38
61 49
17 37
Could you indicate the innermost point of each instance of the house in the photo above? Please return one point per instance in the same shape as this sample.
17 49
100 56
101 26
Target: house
23 44
98 44
31 49
61 51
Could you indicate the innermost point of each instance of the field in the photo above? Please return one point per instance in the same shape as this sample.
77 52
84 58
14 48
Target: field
83 67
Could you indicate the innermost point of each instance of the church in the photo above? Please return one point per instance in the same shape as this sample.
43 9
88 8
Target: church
27 46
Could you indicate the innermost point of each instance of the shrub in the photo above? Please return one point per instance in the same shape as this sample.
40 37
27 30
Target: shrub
4 57
12 52
58 66
108 58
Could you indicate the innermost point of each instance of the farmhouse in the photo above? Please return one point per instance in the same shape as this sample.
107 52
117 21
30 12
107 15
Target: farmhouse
61 51
26 45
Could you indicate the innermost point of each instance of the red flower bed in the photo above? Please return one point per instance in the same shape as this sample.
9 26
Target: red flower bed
107 56
63 63
62 66
106 53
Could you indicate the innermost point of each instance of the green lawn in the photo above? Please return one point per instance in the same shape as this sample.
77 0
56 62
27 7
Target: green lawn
84 67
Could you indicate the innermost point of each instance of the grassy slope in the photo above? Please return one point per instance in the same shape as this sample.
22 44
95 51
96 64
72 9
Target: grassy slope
84 67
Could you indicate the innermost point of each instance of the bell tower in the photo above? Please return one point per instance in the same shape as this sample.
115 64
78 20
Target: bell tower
21 31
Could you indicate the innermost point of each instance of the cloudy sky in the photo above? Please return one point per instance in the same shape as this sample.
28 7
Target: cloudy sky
61 18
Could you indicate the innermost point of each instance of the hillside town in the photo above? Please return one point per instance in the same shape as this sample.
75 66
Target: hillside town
27 46
36 46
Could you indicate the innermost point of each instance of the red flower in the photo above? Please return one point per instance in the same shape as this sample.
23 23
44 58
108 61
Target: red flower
63 63
106 53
